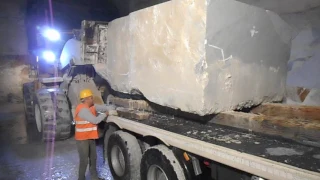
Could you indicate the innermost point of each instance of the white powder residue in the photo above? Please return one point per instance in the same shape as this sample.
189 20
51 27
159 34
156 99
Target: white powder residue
281 151
226 139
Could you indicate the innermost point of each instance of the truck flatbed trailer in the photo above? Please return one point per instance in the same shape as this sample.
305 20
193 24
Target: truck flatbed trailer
261 154
141 142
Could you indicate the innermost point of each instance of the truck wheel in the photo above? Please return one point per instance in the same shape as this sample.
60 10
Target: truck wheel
28 91
52 114
110 129
159 163
143 145
124 156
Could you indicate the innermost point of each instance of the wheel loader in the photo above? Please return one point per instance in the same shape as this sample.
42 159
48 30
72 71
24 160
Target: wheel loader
46 105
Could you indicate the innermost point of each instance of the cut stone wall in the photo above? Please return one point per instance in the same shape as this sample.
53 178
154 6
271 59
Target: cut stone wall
304 64
13 50
223 55
14 72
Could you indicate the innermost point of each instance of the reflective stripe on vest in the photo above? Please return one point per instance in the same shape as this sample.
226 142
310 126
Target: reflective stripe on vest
85 130
82 122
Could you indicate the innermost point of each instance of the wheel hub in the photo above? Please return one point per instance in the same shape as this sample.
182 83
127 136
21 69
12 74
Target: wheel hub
117 161
156 173
38 117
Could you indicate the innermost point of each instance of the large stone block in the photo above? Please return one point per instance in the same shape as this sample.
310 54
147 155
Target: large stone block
199 56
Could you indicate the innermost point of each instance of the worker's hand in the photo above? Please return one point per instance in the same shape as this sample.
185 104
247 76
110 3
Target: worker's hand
112 113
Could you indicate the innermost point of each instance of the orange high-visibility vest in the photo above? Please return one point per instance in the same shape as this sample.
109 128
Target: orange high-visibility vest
85 130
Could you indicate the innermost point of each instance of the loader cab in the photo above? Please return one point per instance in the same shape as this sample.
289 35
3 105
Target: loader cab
44 66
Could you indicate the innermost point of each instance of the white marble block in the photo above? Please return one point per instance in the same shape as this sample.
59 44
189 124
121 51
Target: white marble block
200 56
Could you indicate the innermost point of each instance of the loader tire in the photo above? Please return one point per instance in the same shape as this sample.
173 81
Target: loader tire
52 114
28 93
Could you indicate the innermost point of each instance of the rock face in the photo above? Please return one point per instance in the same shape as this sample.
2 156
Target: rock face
13 74
199 56
304 64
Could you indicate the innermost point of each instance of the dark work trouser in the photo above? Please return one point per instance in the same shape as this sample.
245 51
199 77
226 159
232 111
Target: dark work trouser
87 153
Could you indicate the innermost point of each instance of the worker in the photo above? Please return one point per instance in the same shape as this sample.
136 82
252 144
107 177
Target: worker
86 132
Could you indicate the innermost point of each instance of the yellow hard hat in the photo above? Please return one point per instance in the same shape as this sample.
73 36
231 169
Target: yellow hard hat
85 93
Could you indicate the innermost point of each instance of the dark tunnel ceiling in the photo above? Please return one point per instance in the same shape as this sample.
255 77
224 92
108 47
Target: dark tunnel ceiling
70 12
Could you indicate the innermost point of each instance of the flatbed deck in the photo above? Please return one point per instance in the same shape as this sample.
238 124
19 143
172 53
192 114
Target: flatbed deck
265 156
272 148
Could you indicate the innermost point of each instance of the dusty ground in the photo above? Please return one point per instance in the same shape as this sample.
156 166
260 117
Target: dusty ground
23 156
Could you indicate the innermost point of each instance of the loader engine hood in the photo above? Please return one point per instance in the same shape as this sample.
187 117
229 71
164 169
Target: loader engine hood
71 52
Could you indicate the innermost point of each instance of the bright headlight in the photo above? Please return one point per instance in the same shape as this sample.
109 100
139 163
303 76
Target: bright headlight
49 56
52 34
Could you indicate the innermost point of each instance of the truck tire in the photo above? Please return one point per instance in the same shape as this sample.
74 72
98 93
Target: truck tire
124 156
52 114
159 162
28 93
143 145
110 129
